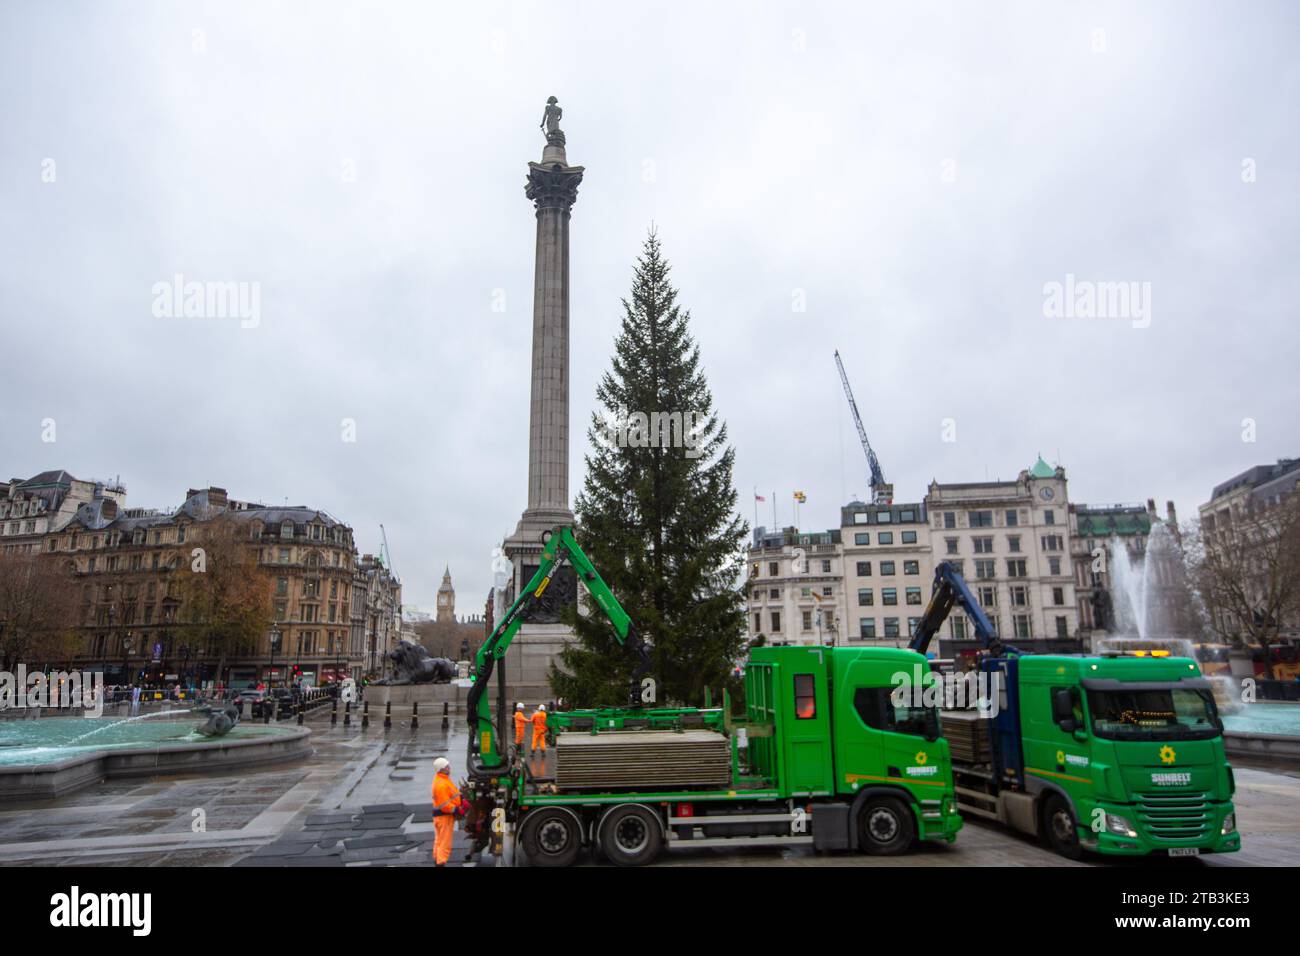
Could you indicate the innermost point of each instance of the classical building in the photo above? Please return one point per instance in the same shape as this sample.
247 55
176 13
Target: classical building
448 635
32 508
796 583
871 578
331 615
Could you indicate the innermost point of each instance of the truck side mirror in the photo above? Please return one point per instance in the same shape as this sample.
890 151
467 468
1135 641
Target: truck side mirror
1063 708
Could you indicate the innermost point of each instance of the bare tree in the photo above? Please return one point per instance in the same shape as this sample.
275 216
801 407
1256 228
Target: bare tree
1246 568
225 594
37 610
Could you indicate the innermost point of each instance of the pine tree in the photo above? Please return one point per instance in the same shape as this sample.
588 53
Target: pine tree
660 523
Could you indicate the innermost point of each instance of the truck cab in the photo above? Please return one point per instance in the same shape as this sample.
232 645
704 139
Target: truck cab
1122 755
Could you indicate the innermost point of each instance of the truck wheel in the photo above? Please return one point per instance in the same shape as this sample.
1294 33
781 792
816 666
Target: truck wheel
885 827
1061 828
551 836
630 836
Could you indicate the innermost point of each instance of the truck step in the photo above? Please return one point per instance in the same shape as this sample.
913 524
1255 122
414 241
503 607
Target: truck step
676 842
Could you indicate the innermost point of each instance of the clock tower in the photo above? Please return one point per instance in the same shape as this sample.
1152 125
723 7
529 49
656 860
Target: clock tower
446 598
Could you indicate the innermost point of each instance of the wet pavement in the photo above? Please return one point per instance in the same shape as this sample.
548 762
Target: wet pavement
362 799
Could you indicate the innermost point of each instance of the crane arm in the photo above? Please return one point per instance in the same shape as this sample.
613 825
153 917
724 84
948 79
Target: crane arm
485 757
950 589
877 475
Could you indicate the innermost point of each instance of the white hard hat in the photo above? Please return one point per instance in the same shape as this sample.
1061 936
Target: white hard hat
441 764
541 706
519 706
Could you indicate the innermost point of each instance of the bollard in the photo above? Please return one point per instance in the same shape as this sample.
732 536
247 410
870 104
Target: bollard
415 715
365 714
446 721
266 712
347 714
334 713
388 716
300 708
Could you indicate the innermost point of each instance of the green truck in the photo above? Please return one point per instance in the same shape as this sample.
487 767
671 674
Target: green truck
1122 755
823 757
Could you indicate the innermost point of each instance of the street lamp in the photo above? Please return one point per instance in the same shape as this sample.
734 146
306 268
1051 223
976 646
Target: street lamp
275 646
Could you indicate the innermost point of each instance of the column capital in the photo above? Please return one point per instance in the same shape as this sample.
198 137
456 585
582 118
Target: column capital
553 185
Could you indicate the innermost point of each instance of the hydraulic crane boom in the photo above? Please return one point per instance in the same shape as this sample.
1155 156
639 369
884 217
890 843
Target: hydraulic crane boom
881 492
950 589
485 757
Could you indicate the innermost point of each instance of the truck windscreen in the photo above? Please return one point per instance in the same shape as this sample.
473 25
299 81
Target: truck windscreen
1167 713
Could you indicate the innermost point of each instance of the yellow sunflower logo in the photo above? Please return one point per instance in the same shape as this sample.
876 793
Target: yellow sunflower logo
1060 756
922 756
1167 754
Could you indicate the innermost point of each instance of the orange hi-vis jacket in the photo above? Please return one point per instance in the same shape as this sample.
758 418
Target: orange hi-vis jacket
539 728
446 795
520 723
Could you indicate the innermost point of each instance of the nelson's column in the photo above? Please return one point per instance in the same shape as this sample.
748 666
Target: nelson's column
553 188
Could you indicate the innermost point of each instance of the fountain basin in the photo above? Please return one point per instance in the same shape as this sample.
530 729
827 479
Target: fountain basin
51 757
1263 729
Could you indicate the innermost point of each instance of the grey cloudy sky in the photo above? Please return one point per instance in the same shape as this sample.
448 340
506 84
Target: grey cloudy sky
916 172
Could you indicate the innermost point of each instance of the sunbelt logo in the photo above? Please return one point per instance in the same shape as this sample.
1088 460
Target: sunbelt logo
1171 779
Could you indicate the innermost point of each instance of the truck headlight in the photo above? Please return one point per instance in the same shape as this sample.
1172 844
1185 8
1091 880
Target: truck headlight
1229 823
1119 825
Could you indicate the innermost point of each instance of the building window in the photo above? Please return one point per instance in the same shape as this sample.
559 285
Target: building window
758 622
864 569
1016 568
827 591
913 595
889 596
959 628
985 568
1019 597
866 597
776 621
773 569
773 593
983 545
884 537
907 514
1053 542
867 628
891 627
1023 627
807 620
1013 518
912 624
1013 543
862 537
949 519
909 537
887 568
1058 596
981 519
952 545
911 567
1053 566
1062 627
1049 516
284 555
826 567
883 517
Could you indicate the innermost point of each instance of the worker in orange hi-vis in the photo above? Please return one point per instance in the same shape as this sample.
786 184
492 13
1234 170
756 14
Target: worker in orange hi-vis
521 721
539 728
447 805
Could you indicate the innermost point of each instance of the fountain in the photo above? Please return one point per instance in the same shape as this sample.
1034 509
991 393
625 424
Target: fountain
49 757
1145 626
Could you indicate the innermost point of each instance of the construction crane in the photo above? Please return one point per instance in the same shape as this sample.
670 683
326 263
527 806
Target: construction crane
385 555
881 492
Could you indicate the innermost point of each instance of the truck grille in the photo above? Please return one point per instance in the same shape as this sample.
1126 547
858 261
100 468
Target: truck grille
1174 817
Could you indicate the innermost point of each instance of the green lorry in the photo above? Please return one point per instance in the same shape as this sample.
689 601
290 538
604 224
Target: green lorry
1122 754
823 757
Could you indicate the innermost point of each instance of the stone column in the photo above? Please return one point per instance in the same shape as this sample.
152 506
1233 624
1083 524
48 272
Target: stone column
553 187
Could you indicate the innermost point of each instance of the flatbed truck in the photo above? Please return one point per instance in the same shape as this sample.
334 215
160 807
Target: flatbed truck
829 760
1121 755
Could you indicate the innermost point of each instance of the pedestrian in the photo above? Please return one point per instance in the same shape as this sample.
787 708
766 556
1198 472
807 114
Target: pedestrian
520 722
447 805
539 729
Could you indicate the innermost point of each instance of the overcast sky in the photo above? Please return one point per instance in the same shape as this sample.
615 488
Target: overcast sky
915 174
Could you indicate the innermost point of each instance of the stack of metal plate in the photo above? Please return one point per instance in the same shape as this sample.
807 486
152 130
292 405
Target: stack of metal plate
968 736
642 760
